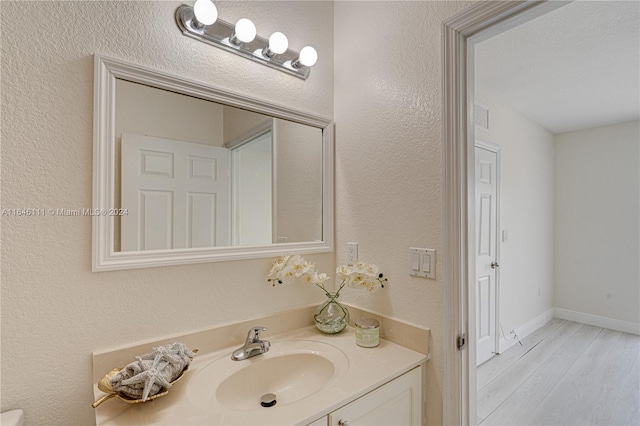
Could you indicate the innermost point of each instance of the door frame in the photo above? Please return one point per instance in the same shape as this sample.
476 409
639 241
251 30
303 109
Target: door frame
459 33
491 147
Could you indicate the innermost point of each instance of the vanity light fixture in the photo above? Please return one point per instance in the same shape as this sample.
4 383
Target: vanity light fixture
201 23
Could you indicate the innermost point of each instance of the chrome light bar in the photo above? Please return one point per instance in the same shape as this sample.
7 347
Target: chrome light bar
219 34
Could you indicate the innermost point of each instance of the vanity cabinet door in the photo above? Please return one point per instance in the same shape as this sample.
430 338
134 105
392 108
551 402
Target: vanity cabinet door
322 421
395 403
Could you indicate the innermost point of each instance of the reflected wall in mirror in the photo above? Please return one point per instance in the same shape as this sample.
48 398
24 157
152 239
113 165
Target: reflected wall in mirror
203 174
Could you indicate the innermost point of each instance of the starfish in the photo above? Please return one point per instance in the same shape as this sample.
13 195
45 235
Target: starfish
177 351
150 377
152 371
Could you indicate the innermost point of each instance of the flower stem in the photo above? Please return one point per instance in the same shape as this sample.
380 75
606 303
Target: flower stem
321 286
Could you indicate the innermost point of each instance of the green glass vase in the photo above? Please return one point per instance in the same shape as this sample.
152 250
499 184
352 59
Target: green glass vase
331 317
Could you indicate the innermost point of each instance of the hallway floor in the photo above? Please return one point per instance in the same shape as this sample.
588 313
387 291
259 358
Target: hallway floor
565 373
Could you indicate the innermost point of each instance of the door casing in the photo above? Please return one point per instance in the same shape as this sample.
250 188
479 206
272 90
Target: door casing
459 33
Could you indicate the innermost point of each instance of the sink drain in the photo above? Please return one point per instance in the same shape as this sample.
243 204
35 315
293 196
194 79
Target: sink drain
268 400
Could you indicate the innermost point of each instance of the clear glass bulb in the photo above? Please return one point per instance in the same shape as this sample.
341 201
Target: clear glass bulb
206 12
308 56
245 30
278 43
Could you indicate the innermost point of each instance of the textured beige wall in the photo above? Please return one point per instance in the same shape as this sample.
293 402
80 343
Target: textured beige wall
388 157
55 311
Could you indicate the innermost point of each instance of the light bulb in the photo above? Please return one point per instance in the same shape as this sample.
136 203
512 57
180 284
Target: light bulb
205 11
245 30
278 43
308 56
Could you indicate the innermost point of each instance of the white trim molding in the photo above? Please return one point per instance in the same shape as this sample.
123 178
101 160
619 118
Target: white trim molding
598 321
528 328
250 134
566 314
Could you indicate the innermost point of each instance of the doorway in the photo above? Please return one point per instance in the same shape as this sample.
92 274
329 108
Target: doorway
460 33
478 22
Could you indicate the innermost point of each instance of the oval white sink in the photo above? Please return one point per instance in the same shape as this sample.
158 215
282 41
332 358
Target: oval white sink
290 377
292 370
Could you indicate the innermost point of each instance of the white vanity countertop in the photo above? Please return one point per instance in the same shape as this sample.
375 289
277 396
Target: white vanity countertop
368 368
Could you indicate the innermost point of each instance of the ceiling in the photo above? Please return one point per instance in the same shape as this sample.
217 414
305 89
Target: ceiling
573 68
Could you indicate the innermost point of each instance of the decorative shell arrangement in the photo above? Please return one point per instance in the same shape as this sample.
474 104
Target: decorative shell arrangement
134 382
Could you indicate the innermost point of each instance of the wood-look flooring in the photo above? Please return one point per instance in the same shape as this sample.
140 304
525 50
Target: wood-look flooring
565 373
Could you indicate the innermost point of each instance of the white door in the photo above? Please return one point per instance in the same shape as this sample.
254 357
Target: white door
177 194
486 182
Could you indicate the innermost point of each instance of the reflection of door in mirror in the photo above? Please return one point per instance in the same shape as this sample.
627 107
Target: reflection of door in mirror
165 117
275 194
251 195
176 193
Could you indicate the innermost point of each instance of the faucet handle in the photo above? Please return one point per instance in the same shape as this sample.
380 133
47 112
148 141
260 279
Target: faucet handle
254 333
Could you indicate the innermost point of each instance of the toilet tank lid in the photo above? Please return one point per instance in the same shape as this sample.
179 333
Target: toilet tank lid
12 418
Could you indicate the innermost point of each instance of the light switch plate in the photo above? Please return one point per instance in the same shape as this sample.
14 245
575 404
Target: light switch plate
422 262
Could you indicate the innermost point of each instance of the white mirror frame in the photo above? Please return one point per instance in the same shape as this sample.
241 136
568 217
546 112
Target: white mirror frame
104 258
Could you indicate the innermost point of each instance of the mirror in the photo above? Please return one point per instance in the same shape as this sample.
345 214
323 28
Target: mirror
187 173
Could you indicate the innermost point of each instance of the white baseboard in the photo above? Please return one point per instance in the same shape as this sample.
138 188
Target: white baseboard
527 329
598 321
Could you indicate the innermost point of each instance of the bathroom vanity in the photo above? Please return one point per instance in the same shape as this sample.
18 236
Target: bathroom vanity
317 379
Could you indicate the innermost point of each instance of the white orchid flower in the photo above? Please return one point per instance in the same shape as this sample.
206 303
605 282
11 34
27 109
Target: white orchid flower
286 269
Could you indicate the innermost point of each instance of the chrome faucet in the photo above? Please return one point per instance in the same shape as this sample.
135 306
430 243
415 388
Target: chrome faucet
253 346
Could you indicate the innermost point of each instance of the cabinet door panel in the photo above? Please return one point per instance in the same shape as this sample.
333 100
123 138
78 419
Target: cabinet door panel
322 421
395 403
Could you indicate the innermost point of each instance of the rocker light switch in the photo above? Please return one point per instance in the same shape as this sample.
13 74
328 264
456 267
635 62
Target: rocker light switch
426 263
423 262
415 262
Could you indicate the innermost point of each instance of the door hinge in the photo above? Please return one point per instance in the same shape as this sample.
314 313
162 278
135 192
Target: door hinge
461 341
